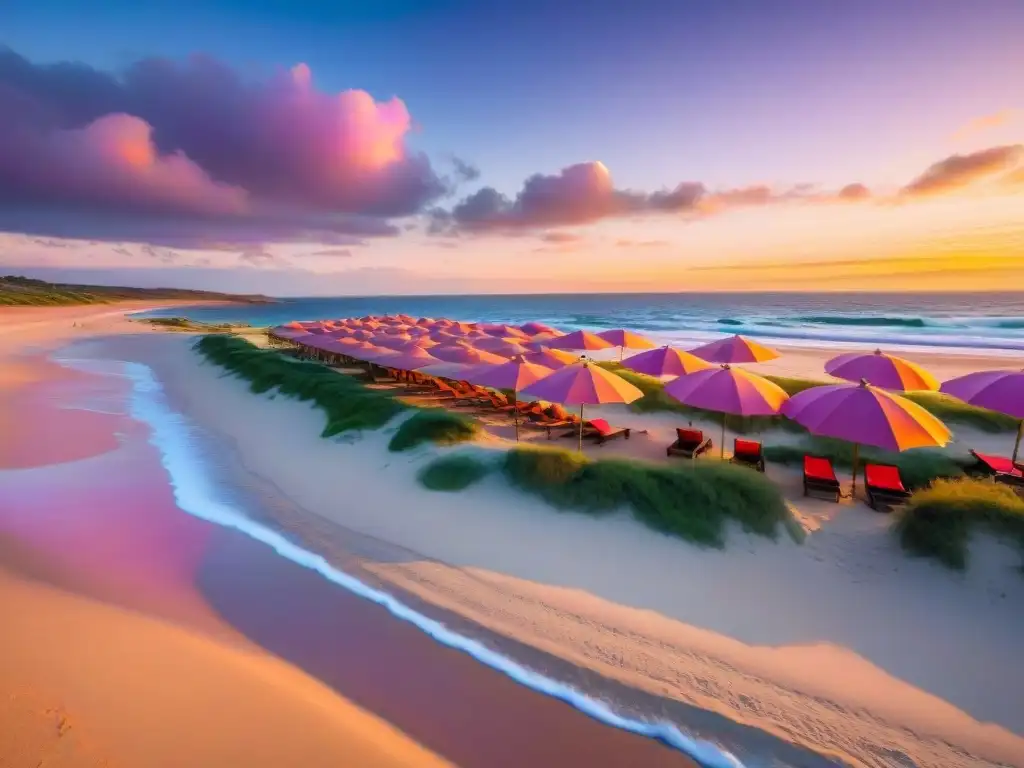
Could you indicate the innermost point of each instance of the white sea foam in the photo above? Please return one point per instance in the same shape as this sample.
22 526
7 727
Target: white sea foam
195 494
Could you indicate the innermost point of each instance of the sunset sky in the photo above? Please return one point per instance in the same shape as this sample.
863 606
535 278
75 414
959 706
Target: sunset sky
455 146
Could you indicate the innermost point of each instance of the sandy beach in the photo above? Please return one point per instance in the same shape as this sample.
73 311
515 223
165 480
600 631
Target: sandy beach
840 650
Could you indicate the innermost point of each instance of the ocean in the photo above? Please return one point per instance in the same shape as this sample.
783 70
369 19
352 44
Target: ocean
965 321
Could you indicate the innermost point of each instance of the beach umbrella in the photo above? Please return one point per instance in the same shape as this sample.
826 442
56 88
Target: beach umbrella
464 354
396 341
515 374
1000 390
665 361
552 358
501 329
579 340
410 359
443 370
882 370
734 349
726 390
866 415
534 328
623 339
508 347
365 351
583 384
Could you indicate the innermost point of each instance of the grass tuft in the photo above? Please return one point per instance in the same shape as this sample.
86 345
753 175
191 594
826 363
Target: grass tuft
692 501
453 473
435 425
347 404
938 522
918 467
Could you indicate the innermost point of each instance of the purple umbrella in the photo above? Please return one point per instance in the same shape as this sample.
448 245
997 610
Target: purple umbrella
1001 391
665 361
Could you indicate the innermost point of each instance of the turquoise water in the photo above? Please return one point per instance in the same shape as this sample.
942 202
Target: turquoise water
991 321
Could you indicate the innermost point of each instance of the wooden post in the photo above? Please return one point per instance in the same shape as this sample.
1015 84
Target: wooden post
580 446
1016 445
856 456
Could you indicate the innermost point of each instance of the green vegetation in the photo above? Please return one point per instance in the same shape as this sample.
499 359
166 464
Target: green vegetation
434 425
947 408
937 522
691 501
453 473
24 291
347 404
918 467
189 326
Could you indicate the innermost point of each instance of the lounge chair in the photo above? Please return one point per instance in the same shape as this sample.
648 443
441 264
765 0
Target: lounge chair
546 422
690 443
999 468
884 486
820 478
750 453
601 431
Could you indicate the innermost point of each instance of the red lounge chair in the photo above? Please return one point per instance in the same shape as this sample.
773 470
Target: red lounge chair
601 431
820 477
749 453
1000 469
690 443
884 486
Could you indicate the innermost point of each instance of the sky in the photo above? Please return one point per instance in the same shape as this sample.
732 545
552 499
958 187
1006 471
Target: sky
458 146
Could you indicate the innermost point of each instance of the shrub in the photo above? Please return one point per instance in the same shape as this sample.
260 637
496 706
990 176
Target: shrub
453 473
918 467
937 522
957 411
436 426
691 501
347 404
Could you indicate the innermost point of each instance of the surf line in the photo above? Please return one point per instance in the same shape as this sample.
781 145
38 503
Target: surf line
168 433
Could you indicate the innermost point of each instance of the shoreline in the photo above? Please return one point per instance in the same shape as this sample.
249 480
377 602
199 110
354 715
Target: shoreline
225 405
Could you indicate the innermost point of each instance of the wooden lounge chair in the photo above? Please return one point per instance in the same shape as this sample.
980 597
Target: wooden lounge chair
690 443
820 478
601 431
884 486
999 468
750 453
546 422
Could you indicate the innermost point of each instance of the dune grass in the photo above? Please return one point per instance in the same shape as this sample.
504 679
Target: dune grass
453 473
28 292
691 501
347 404
944 407
938 522
434 425
918 467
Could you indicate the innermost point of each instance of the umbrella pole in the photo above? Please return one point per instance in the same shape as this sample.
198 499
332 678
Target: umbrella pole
1016 445
621 351
722 453
856 457
515 411
581 429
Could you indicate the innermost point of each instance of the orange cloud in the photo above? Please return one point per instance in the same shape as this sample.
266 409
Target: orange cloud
957 171
985 123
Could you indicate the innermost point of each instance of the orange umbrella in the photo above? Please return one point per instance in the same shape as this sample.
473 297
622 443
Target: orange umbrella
866 415
507 347
515 374
579 340
623 339
882 370
552 358
665 361
734 349
464 354
583 384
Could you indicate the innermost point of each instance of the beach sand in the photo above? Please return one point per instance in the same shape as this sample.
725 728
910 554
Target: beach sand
842 645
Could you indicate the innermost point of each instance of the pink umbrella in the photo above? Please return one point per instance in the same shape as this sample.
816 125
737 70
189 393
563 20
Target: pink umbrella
455 371
865 415
1001 391
579 340
623 339
552 358
501 329
882 370
515 374
425 321
364 350
533 328
464 354
506 347
583 384
725 389
665 361
407 360
397 341
734 349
